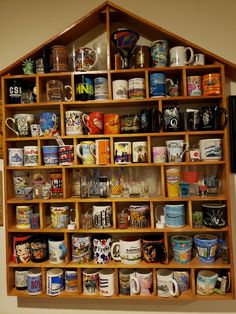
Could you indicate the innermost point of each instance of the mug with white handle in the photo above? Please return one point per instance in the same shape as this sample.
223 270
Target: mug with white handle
178 56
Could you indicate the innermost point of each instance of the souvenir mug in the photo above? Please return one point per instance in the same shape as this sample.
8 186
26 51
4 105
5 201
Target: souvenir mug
206 246
159 53
166 284
50 155
101 49
173 177
48 122
102 249
100 88
174 214
157 84
81 246
182 247
57 251
34 281
54 281
130 123
211 149
107 282
211 84
35 129
15 157
206 281
153 249
73 121
83 150
122 152
151 120
84 87
39 248
213 118
182 279
57 91
23 216
93 122
171 119
194 85
141 57
20 182
178 56
86 59
102 216
125 280
102 154
71 280
59 58
59 216
30 156
90 281
139 151
176 150
66 155
159 154
111 123
136 88
120 89
21 249
128 251
214 215
198 59
141 282
21 123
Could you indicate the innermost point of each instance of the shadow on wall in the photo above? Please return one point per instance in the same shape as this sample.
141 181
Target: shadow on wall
109 306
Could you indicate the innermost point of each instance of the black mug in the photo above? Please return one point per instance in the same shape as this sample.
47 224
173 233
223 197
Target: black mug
193 120
172 119
213 118
39 249
130 123
84 87
151 120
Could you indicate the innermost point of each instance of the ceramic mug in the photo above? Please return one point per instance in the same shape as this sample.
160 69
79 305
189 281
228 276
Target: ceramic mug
159 53
21 123
182 247
173 177
100 88
102 216
206 281
35 129
66 155
128 251
166 284
102 154
194 85
50 155
102 249
107 282
90 281
122 152
176 150
157 84
182 279
159 154
111 123
141 282
86 59
21 249
57 251
83 150
93 122
206 246
48 122
124 280
178 56
15 157
34 281
211 149
73 121
23 216
57 91
120 89
54 281
153 249
31 156
198 59
174 215
139 151
81 246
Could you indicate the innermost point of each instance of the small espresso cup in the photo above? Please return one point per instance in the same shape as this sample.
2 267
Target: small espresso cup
198 59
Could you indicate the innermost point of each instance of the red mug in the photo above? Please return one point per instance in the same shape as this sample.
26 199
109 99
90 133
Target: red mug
94 122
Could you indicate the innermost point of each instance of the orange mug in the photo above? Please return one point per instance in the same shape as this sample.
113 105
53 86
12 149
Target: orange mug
111 123
94 122
102 152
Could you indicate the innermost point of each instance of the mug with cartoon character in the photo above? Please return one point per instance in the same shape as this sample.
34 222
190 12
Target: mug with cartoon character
21 249
194 85
49 123
153 249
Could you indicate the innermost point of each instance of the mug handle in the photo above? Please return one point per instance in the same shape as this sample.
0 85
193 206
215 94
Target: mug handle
13 121
156 210
186 148
191 55
174 292
95 64
224 112
70 89
78 147
92 148
135 286
63 248
113 246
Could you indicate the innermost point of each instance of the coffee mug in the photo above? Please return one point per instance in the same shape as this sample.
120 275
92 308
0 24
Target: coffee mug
21 123
159 53
153 249
182 248
157 85
122 152
35 129
182 279
178 56
90 281
81 246
211 84
198 59
57 91
15 157
49 123
34 281
111 123
125 280
66 155
172 119
176 150
128 251
86 59
193 119
102 249
83 150
213 118
84 87
54 281
206 246
159 154
136 88
214 215
130 123
21 249
194 85
211 149
73 121
139 152
107 282
39 248
151 120
102 154
23 216
93 122
206 281
59 216
31 156
50 155
120 89
102 216
141 282
174 214
57 251
100 88
166 284
173 177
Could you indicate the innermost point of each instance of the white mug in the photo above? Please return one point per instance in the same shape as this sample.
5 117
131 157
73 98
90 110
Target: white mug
166 284
139 151
90 281
206 281
73 121
178 56
15 157
120 89
30 156
198 59
141 282
211 149
102 216
57 251
106 282
54 281
176 150
128 251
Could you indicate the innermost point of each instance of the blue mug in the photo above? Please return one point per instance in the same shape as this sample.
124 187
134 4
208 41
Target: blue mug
206 246
157 85
49 122
174 215
50 155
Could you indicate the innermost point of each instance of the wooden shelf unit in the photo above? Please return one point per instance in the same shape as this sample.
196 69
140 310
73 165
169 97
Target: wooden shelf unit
110 16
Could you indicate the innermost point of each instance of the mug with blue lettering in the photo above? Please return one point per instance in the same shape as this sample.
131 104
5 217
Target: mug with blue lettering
34 281
49 123
157 85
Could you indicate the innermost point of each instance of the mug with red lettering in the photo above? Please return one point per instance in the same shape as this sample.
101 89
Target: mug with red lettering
93 122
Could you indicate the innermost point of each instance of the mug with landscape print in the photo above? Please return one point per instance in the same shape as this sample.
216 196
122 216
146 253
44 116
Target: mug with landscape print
211 149
176 150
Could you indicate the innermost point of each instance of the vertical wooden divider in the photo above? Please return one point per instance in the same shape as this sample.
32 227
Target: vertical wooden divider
116 281
62 119
162 181
67 239
149 149
147 84
73 85
152 215
190 214
193 281
44 280
184 83
154 281
41 216
40 158
114 209
80 280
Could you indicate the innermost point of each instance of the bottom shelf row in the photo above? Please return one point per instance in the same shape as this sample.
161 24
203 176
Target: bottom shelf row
109 282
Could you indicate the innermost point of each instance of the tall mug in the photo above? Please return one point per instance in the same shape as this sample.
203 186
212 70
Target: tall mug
173 177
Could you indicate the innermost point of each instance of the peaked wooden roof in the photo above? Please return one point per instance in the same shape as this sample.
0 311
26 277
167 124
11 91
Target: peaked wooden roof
146 29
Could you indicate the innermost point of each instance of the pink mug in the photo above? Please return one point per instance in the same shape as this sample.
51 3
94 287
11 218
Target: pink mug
94 122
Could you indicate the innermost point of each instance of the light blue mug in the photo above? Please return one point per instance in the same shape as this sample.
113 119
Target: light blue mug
49 122
174 214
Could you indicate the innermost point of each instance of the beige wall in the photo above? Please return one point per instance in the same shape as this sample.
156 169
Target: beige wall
26 24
